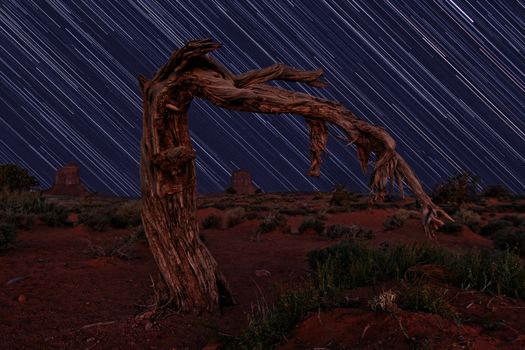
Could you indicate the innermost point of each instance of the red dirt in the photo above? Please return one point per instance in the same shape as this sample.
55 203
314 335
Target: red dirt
66 289
68 299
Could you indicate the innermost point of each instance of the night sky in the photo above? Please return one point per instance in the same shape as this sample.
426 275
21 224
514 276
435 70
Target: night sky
446 78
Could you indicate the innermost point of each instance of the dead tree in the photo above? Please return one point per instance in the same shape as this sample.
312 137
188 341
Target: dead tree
168 159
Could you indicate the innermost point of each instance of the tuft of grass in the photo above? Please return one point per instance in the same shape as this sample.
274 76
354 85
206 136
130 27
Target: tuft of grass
425 298
312 223
212 221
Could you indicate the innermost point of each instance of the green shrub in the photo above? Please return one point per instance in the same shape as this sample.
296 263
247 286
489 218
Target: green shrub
493 226
212 221
458 189
15 178
312 224
271 223
7 235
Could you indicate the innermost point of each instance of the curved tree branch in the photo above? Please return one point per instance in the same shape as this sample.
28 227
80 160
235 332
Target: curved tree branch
248 92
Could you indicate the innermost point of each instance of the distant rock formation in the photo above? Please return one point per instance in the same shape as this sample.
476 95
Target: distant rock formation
241 182
67 182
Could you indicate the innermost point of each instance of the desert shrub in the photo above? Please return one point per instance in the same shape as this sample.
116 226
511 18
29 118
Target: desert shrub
212 221
23 203
451 227
235 216
55 217
341 197
126 214
15 178
425 298
271 222
497 191
20 221
7 235
96 218
398 219
458 189
468 218
343 231
493 226
516 220
510 238
312 223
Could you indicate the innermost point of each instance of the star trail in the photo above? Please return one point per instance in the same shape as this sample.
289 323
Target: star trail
446 78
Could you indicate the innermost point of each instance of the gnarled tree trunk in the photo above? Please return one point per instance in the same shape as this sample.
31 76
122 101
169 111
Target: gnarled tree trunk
168 165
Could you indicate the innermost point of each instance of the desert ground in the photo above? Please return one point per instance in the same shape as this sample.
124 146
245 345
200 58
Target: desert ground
88 281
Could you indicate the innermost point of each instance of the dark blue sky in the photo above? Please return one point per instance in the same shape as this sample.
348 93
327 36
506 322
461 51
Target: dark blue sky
446 78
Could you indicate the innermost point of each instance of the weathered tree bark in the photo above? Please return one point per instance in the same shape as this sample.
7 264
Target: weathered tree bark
168 167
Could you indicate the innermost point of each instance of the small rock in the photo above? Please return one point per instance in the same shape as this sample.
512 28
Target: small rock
148 325
89 340
22 298
262 273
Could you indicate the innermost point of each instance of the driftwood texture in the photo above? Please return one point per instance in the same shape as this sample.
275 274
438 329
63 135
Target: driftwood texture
168 167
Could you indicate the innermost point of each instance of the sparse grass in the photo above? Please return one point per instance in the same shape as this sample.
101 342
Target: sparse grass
311 223
212 221
352 264
352 231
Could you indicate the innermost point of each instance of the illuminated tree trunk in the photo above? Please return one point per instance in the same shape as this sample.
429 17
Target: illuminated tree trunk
168 160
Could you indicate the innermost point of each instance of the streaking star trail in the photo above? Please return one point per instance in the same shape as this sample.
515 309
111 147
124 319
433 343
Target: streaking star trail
444 77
